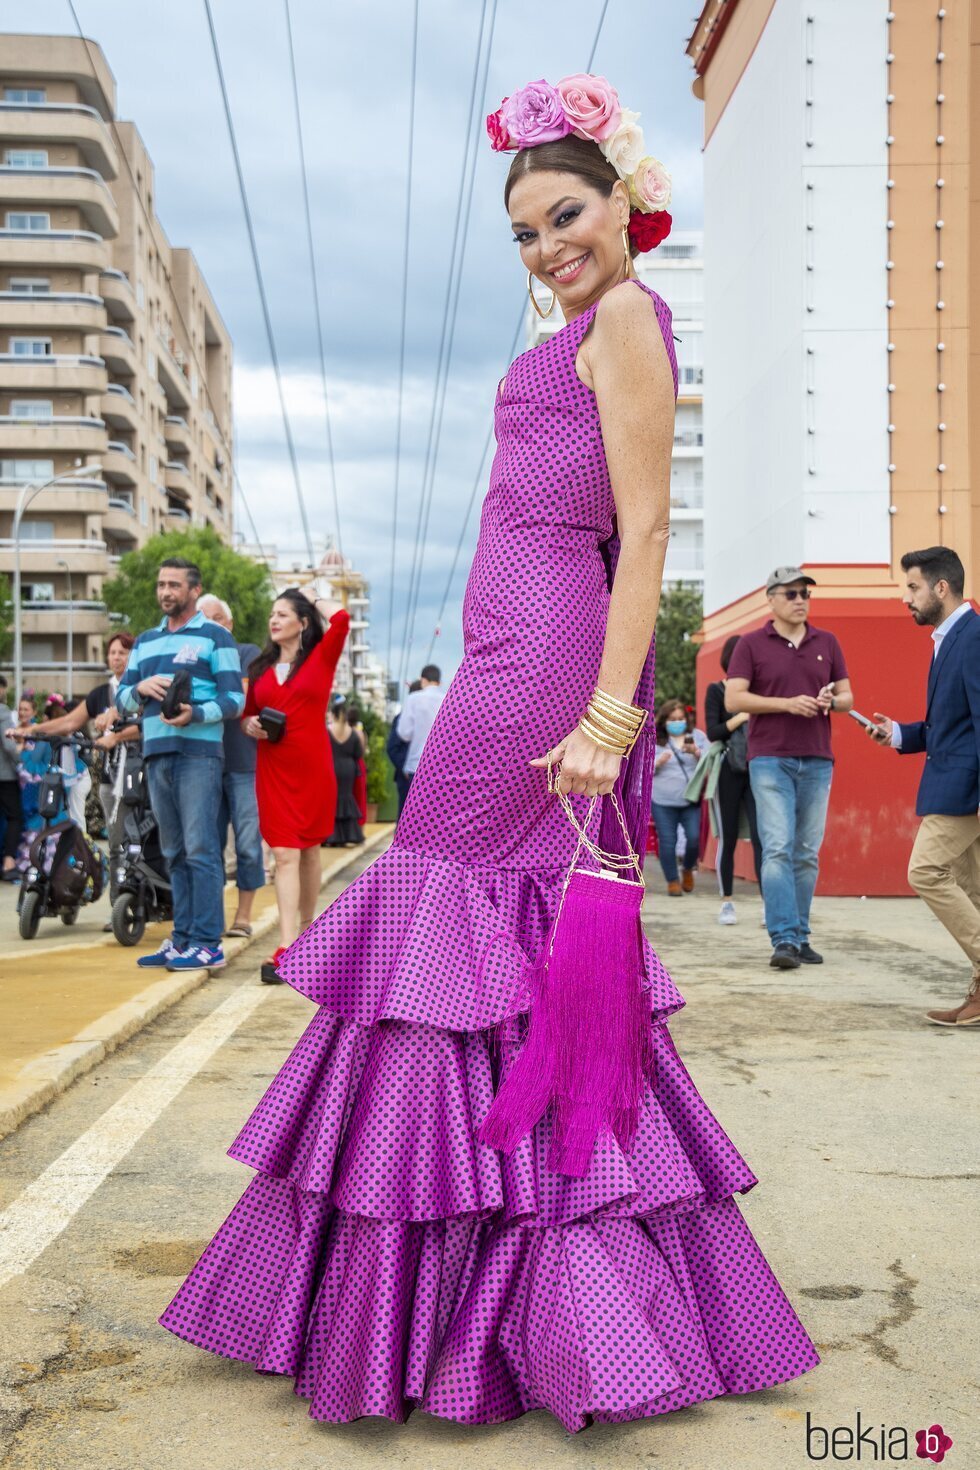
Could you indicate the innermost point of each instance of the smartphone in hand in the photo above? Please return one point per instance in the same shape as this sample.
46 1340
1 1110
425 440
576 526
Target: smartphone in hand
862 720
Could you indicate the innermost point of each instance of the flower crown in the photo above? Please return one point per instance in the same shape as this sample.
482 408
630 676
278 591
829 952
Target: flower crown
589 107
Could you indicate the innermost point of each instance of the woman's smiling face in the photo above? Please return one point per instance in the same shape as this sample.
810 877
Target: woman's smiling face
570 235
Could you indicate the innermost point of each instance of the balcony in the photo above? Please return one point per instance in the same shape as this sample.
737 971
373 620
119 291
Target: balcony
176 433
176 477
52 311
118 295
81 496
31 250
52 617
62 188
171 375
177 513
56 372
118 351
119 407
119 465
43 556
38 124
65 433
119 520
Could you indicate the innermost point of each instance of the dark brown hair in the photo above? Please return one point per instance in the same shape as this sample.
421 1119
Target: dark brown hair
937 564
126 639
309 638
728 650
579 156
664 713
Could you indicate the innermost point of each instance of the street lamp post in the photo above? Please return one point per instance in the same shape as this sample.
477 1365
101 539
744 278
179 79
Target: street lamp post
71 629
25 495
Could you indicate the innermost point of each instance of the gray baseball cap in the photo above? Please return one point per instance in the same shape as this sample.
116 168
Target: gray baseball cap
782 577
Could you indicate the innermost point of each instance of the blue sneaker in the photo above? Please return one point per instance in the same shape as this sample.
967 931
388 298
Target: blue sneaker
160 957
197 957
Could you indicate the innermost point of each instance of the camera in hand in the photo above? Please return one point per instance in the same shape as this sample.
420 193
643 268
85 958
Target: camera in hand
273 722
178 693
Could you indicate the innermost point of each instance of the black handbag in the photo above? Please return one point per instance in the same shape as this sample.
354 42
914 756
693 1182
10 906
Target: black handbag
737 749
273 722
178 693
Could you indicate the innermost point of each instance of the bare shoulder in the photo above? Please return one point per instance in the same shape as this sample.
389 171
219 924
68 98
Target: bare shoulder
627 309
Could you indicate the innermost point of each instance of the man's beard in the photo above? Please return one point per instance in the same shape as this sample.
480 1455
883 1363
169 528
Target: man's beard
930 615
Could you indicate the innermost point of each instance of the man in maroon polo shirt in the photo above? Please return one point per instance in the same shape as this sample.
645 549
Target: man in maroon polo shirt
789 677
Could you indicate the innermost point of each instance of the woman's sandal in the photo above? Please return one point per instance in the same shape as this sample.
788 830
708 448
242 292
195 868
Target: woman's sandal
239 931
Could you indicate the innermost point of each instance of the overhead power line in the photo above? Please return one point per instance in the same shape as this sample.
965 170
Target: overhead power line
266 315
151 226
474 491
478 477
313 279
401 348
449 316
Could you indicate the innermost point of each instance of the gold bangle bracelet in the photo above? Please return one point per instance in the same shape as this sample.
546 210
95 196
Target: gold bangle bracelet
607 722
632 723
618 706
598 738
614 716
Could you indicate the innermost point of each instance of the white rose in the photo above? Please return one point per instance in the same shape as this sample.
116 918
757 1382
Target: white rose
625 149
650 186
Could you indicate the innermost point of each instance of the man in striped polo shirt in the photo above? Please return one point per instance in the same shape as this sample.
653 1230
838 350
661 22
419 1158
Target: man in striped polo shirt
184 758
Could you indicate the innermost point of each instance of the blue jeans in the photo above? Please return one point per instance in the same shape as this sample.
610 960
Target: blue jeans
791 796
184 793
239 807
667 819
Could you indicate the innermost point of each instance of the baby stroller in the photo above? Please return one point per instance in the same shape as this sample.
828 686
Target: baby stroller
66 869
143 892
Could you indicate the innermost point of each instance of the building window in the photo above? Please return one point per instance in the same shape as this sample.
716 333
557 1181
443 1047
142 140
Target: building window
30 346
153 469
31 408
19 219
140 295
26 158
38 591
34 96
143 511
32 530
26 471
29 285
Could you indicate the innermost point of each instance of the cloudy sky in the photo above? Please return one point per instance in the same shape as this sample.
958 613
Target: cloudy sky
353 64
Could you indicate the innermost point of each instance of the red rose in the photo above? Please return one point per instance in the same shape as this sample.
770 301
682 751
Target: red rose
647 230
497 131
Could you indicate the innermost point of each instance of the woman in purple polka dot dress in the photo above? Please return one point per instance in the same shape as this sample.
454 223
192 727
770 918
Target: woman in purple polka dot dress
383 1255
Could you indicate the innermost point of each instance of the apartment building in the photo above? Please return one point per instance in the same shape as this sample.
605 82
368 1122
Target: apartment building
112 353
675 270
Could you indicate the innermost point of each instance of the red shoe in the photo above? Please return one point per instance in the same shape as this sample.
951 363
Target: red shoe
270 974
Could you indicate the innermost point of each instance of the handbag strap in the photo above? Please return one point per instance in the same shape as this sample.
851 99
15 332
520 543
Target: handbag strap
619 862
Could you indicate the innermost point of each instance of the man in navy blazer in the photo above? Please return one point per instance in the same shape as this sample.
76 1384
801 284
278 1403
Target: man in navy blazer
944 868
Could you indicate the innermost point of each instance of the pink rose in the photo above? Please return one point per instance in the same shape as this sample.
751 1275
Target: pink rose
591 106
535 115
500 139
650 186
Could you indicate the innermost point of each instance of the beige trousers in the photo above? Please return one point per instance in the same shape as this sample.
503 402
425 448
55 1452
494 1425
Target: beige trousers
944 870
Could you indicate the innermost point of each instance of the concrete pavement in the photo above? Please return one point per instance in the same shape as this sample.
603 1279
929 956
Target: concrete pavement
70 996
858 1118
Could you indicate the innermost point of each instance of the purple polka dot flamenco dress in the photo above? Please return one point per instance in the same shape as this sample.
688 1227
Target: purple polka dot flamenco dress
383 1256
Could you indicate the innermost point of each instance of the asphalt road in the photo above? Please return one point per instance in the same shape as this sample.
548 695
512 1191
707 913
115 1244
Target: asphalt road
859 1120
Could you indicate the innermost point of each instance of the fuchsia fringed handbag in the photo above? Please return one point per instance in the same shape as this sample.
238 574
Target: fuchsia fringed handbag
588 1049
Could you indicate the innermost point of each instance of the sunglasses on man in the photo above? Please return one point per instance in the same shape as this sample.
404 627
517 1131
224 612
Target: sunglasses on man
792 593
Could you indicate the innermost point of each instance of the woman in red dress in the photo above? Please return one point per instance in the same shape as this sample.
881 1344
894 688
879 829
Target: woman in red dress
294 781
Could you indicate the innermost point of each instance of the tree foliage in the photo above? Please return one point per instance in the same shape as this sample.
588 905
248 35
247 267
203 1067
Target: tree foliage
679 618
6 619
243 583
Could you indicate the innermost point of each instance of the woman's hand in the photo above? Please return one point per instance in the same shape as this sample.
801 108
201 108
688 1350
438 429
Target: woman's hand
587 769
252 727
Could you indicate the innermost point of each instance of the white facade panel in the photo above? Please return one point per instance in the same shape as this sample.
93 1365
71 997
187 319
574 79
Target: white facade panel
795 290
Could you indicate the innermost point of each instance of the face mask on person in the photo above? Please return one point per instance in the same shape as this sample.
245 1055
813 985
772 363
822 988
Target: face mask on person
676 727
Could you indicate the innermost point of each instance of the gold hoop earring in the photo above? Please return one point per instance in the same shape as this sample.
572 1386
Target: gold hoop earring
544 315
626 249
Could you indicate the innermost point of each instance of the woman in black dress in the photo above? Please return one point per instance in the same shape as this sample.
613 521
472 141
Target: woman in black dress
734 791
345 743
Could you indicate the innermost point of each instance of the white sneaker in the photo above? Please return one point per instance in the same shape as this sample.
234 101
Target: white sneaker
727 914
